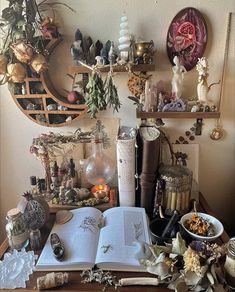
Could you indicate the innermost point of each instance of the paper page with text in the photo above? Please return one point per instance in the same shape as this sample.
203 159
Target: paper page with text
123 227
80 238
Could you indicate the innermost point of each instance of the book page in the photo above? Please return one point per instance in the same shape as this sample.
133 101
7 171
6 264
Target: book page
123 227
80 238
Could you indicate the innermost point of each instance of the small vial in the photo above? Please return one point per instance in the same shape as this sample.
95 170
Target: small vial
35 239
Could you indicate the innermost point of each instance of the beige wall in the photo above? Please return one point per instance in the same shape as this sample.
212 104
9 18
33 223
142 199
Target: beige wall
148 19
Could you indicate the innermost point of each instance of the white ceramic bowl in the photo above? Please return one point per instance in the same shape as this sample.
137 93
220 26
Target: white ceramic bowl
218 227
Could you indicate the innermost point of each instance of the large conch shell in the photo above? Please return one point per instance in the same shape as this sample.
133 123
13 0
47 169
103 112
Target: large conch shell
22 51
3 64
39 63
16 72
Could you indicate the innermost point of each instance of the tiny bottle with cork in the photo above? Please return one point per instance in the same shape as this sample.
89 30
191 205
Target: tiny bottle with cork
229 265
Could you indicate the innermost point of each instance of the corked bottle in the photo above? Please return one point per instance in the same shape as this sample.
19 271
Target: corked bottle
229 265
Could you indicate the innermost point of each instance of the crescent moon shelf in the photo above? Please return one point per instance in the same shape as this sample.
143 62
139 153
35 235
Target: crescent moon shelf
40 102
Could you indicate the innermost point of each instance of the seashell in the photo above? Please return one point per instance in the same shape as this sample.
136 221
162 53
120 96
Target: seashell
3 64
83 193
63 216
22 51
123 32
39 63
124 18
123 47
17 72
124 39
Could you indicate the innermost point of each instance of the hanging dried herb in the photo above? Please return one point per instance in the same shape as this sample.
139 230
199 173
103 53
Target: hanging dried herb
111 94
95 97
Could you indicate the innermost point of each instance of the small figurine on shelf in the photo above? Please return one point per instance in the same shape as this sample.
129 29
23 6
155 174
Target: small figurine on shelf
54 174
72 173
112 56
202 87
178 77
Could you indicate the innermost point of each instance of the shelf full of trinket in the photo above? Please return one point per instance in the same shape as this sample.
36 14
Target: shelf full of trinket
37 98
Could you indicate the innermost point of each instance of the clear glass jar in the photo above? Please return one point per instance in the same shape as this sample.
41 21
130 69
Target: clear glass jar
229 265
99 168
16 229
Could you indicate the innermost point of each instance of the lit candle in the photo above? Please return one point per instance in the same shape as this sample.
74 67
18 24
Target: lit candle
100 191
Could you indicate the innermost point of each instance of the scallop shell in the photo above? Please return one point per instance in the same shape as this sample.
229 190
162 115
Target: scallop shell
63 216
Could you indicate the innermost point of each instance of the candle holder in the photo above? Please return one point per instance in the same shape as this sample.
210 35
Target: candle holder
100 191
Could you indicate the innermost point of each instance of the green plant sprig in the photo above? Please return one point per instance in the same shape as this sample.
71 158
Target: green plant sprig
111 94
95 97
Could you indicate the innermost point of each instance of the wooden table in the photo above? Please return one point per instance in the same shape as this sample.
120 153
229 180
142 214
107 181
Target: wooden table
75 279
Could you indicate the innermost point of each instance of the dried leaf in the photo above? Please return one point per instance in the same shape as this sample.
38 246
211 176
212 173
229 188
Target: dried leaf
161 270
210 278
219 288
181 287
178 245
191 278
142 250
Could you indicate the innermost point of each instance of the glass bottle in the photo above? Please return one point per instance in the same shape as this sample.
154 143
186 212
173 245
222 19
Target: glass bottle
16 229
35 239
229 265
33 185
99 168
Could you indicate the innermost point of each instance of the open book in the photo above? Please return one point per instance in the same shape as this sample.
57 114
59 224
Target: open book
110 247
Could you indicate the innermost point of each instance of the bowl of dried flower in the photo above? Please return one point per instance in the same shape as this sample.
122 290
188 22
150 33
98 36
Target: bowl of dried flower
202 226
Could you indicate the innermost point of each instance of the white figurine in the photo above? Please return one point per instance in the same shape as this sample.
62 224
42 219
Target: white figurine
177 80
202 87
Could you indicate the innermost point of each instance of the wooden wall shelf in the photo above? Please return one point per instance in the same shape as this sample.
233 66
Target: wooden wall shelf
45 96
116 68
177 115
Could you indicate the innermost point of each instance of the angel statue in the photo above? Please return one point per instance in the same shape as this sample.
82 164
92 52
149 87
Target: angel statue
178 77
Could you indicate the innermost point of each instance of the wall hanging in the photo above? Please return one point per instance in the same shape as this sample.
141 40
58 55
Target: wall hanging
187 37
29 38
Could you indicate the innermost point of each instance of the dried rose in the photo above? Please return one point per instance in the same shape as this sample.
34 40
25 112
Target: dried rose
3 64
49 29
22 51
39 63
16 72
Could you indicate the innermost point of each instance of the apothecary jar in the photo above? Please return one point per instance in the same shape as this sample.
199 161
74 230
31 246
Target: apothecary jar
177 188
16 229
